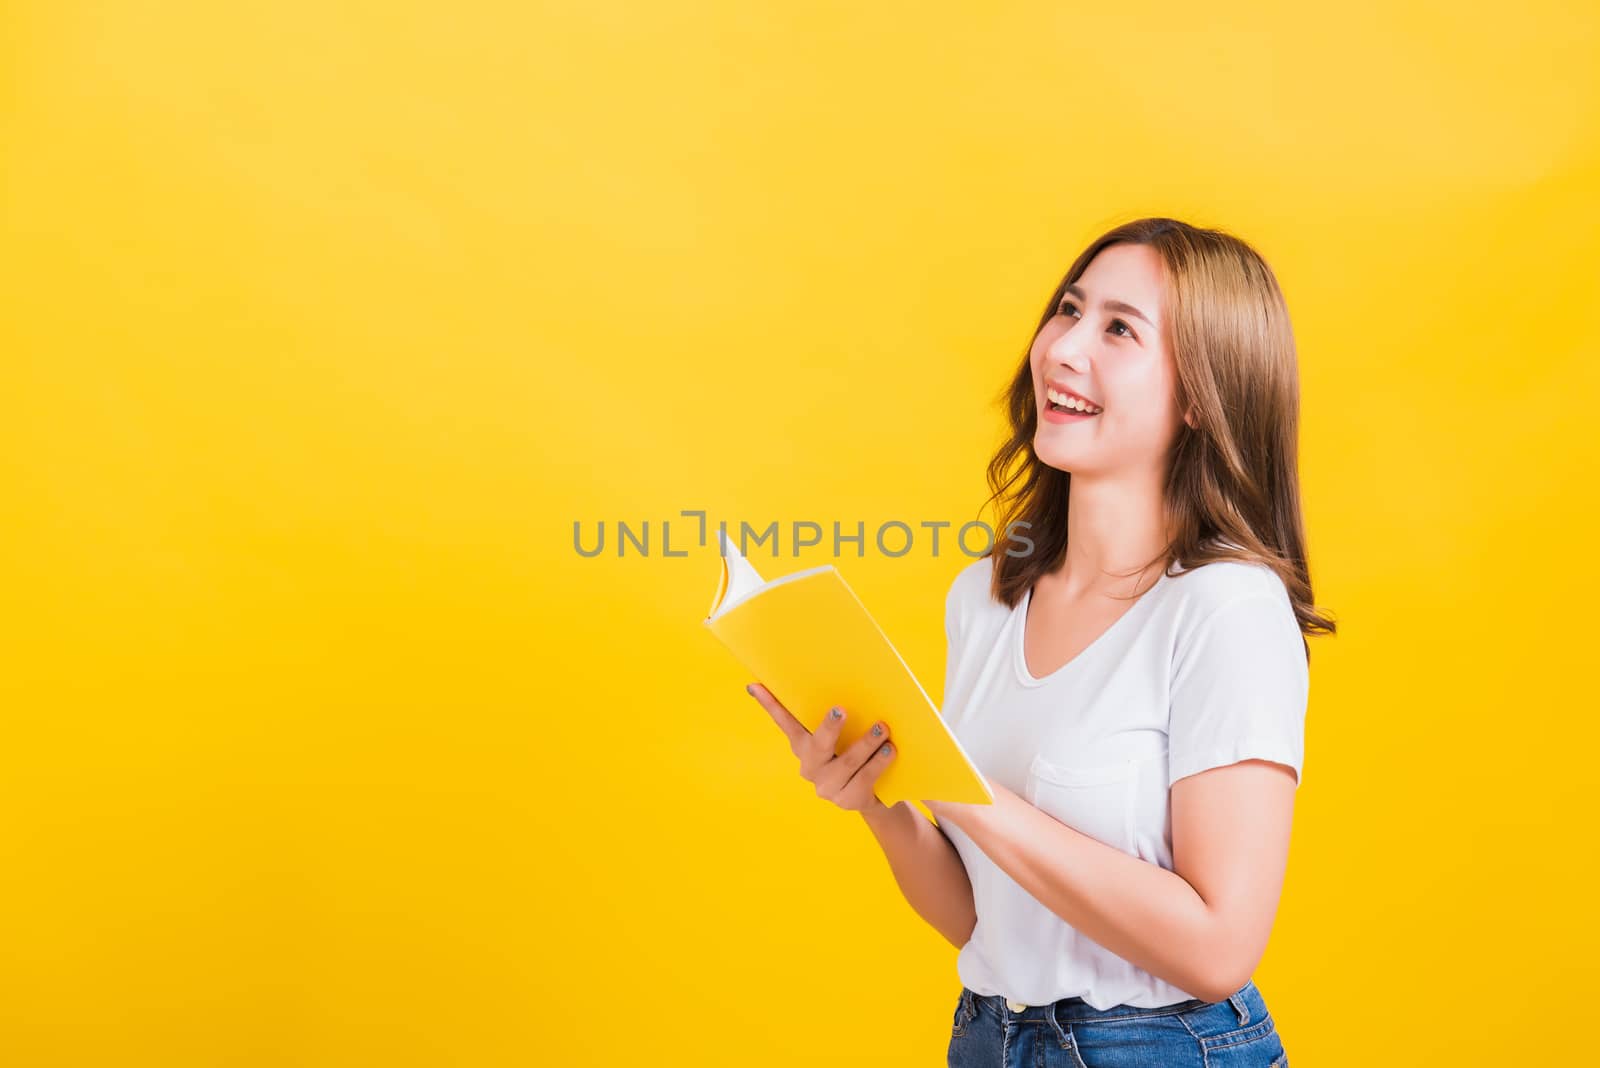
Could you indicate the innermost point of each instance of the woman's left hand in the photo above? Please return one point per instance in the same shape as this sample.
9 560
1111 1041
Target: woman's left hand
954 810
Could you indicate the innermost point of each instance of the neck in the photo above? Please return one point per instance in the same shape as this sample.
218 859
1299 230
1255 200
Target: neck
1114 525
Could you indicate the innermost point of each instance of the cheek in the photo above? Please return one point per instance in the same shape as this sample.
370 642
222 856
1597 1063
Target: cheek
1142 399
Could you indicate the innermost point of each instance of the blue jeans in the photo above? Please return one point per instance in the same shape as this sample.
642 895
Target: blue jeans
1236 1032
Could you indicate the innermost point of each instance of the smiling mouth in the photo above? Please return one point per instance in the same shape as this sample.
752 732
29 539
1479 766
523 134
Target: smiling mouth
1063 402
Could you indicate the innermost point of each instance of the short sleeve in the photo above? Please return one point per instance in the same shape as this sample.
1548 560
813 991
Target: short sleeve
1239 689
952 616
952 636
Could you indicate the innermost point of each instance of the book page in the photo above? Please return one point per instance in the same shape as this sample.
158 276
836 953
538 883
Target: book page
743 579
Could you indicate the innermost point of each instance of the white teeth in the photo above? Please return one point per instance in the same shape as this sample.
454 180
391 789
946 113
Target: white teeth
1077 405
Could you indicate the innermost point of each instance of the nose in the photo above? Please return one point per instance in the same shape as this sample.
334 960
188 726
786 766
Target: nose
1069 352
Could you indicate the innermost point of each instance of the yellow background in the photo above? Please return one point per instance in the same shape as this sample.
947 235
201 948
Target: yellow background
324 323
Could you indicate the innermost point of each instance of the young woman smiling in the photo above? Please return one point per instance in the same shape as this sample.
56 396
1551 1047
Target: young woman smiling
1132 677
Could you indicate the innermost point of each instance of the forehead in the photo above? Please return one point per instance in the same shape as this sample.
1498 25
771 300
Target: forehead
1129 273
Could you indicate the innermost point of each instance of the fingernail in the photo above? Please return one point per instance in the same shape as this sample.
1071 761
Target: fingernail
837 713
888 747
750 689
877 728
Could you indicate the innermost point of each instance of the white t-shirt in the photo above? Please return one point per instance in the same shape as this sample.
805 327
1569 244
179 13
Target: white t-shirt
1206 668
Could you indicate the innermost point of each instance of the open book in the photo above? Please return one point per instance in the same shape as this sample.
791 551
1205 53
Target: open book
808 639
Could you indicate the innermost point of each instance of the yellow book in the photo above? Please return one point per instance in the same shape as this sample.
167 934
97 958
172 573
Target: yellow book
808 639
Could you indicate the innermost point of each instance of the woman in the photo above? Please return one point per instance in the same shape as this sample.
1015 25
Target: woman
1130 672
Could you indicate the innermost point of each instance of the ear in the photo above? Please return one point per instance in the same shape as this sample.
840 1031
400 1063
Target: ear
1192 417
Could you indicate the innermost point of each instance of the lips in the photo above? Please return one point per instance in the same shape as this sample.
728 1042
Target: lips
1062 399
1053 414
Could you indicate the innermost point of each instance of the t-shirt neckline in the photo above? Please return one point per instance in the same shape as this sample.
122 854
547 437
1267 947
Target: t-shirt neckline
1019 659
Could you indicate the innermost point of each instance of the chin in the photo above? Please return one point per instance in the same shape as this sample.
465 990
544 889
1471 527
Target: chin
1058 458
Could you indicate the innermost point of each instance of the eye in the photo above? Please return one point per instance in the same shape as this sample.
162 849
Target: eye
1066 304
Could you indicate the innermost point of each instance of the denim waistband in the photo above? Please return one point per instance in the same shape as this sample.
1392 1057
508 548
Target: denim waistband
1247 1002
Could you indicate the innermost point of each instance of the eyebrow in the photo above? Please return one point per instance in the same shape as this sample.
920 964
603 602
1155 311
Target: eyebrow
1114 305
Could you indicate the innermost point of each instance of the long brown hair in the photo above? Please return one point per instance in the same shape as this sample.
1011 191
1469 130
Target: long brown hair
1232 486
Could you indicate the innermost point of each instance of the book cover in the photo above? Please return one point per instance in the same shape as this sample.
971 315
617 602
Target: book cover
810 640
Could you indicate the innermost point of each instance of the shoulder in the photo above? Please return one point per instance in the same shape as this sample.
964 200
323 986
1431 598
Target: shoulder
971 583
1215 585
968 601
1235 609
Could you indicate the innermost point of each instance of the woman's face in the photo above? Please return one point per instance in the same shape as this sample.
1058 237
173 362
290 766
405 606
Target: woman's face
1105 345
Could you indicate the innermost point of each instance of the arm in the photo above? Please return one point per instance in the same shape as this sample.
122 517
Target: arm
926 867
1203 926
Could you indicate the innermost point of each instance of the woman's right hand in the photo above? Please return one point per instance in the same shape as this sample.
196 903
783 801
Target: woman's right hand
847 779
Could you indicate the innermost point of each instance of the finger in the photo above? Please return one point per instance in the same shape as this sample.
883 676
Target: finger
791 727
819 758
837 773
864 782
862 748
827 732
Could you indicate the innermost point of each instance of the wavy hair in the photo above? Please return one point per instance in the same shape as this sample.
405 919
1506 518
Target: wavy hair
1232 485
